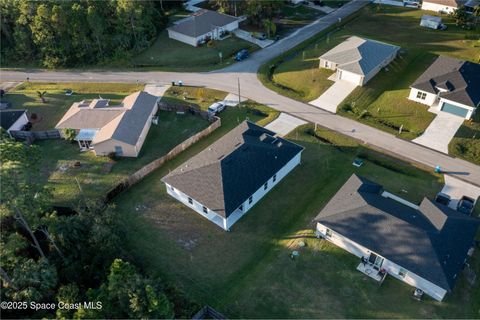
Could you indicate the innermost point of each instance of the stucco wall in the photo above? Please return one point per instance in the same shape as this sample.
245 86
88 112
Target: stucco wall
392 268
430 99
349 76
105 147
331 65
437 7
18 125
182 38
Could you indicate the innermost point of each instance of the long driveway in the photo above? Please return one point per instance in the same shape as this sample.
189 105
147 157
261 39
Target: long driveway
252 88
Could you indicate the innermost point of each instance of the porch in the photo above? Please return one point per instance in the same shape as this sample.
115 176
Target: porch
373 269
84 138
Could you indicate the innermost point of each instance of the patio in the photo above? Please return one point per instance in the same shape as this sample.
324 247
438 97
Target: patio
370 270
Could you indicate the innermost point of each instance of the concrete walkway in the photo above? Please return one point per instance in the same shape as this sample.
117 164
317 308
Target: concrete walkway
156 89
231 100
440 132
456 189
245 35
334 95
284 124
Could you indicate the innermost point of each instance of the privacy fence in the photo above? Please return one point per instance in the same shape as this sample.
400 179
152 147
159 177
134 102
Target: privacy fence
31 136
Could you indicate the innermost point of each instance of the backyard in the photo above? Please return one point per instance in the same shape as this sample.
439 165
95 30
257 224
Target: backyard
25 96
226 269
383 101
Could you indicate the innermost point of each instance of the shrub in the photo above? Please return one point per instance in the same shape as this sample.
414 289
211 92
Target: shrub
69 134
112 156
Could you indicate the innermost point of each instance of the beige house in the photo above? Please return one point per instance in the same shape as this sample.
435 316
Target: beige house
105 129
442 6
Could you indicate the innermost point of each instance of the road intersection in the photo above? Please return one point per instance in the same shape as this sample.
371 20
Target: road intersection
246 71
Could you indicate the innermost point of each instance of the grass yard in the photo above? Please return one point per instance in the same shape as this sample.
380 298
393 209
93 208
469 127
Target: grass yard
383 101
294 17
24 96
466 143
192 96
248 273
98 174
172 55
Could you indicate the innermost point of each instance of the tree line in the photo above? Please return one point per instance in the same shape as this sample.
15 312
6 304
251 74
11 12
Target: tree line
70 257
78 32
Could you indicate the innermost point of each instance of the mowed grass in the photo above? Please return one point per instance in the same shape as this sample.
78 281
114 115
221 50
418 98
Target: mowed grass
97 175
466 143
383 101
187 96
248 273
172 55
25 96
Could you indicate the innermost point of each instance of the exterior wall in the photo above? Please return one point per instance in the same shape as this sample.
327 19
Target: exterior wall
18 125
350 77
430 99
391 268
182 38
236 215
145 130
385 63
437 7
197 206
214 34
260 193
470 109
105 147
331 65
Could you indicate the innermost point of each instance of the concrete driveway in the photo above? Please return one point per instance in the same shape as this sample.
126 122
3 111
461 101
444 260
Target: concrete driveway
334 95
456 189
284 124
440 132
157 90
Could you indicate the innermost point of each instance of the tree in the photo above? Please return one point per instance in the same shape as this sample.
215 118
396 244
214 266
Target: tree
128 294
42 95
270 27
460 16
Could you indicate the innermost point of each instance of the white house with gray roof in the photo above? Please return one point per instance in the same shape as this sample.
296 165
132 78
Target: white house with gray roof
105 129
224 181
358 60
202 25
449 85
425 246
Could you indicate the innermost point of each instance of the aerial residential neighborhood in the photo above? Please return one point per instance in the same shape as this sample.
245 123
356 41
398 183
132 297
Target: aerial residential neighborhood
254 159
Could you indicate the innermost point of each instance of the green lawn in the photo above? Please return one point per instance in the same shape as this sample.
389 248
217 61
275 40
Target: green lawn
98 174
384 98
466 143
172 55
293 17
57 103
248 273
192 96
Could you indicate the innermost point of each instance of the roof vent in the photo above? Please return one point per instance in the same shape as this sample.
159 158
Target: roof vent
279 144
263 137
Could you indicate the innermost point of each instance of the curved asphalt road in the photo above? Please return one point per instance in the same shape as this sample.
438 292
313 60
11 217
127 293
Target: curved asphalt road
226 80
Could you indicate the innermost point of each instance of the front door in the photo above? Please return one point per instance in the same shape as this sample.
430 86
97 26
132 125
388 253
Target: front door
375 260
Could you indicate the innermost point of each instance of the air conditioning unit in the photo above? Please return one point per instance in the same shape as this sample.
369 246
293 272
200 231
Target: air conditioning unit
155 120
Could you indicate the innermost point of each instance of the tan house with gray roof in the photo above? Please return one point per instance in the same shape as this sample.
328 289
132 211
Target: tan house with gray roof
358 60
201 26
105 129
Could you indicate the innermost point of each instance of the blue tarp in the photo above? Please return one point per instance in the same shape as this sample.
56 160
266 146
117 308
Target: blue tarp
86 135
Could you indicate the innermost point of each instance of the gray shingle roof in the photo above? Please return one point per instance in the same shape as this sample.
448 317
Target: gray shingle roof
461 78
450 3
202 22
9 117
431 242
359 55
225 174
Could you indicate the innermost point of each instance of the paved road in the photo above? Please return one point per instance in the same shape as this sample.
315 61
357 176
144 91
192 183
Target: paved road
251 87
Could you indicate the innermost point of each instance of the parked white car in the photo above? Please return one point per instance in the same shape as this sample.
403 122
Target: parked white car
216 108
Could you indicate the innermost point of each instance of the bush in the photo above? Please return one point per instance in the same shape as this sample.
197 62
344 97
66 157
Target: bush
68 134
112 156
34 116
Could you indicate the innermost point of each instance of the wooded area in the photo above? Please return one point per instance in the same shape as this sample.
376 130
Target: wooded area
79 32
70 256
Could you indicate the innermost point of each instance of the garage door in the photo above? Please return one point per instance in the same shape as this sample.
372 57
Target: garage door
458 111
348 76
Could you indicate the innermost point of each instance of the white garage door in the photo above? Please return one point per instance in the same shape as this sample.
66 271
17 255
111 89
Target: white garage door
350 77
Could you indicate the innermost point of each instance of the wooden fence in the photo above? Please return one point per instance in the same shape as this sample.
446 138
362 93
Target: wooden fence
31 136
155 164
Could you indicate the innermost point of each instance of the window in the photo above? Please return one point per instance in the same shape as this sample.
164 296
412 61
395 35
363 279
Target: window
240 208
274 177
250 200
118 150
265 186
328 233
421 95
172 188
190 200
205 209
402 272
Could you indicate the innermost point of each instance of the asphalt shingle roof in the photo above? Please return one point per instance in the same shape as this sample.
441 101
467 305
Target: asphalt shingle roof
9 117
431 242
449 3
202 22
225 174
460 78
359 55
